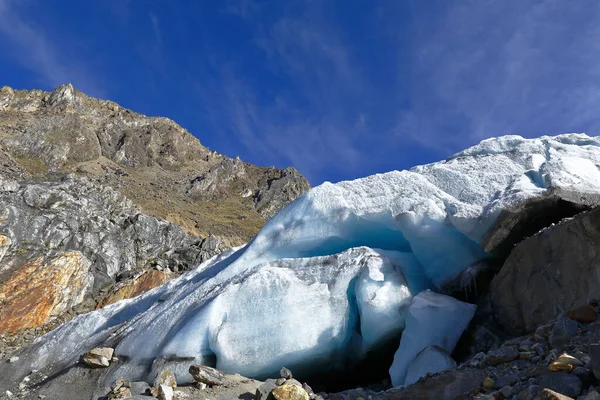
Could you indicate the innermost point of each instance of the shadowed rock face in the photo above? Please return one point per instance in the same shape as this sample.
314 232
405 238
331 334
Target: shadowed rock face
156 163
548 274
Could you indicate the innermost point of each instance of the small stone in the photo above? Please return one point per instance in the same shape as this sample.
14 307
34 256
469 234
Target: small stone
502 355
544 331
201 385
208 375
539 349
307 388
285 373
584 314
527 355
564 362
548 394
561 382
592 395
529 393
506 391
165 377
280 381
165 392
562 333
595 359
489 383
293 382
9 393
99 357
478 360
139 388
13 359
289 392
506 380
263 392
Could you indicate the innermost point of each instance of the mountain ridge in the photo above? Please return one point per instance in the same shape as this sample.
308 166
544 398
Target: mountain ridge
159 165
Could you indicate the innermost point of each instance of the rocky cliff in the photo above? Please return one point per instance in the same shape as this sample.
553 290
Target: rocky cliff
156 163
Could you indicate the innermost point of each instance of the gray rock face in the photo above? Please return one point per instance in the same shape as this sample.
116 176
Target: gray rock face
502 355
549 273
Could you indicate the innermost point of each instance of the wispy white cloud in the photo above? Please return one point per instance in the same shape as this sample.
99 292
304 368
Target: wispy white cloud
487 68
313 118
31 45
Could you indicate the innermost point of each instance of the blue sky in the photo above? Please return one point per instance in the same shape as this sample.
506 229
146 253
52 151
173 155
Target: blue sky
338 89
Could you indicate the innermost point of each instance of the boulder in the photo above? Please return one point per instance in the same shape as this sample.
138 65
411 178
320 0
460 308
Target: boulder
548 273
564 362
99 357
584 314
561 382
208 375
562 333
263 392
502 355
290 392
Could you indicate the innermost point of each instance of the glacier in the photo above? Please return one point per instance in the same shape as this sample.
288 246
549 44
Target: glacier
332 275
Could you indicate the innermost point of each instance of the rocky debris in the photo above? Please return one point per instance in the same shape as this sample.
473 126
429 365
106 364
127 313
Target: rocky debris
99 357
159 165
548 273
207 375
289 392
120 389
592 395
584 314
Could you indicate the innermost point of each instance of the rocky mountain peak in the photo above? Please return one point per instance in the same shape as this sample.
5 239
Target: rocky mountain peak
160 166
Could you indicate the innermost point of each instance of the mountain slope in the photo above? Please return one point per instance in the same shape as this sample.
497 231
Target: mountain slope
156 163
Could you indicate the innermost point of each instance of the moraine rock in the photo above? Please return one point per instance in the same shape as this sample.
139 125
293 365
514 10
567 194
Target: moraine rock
548 394
584 314
207 375
561 382
562 333
595 359
289 392
98 357
502 355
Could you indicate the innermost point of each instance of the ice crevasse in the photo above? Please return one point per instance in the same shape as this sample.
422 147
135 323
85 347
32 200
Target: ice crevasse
334 274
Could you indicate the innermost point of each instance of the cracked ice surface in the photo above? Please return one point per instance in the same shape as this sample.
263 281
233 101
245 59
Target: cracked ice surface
331 274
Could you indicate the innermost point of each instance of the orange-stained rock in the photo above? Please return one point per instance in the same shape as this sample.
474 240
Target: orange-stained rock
146 281
42 288
585 314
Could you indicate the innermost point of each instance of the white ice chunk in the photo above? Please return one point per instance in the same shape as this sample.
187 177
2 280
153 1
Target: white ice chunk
431 360
433 320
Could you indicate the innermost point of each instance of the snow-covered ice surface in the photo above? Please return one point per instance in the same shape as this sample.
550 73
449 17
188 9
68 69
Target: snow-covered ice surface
305 287
433 320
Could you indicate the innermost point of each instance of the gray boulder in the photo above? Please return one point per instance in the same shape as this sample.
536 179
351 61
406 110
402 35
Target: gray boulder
548 274
561 382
